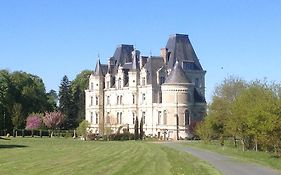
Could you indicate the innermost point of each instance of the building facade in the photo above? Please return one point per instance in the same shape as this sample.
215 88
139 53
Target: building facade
167 92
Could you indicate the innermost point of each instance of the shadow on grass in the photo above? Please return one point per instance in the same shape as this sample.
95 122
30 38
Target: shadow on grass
4 138
11 146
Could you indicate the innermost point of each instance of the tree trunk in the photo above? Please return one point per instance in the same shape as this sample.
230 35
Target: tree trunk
32 133
256 145
234 141
243 144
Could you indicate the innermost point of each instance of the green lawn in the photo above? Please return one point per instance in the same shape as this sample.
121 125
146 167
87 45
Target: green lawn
67 156
262 158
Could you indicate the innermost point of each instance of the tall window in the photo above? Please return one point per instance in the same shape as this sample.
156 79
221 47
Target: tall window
165 117
120 118
119 83
92 101
160 97
143 117
186 117
133 117
97 118
97 100
159 118
117 117
133 99
121 100
92 86
117 99
92 117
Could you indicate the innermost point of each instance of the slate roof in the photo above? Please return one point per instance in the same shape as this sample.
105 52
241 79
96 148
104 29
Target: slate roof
177 75
180 49
101 69
198 98
153 64
123 54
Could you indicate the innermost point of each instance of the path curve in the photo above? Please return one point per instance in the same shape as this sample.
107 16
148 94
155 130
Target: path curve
225 164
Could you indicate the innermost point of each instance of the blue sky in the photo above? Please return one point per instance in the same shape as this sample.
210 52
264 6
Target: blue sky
53 38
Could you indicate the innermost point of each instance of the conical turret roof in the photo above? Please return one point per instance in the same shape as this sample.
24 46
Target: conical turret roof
177 75
98 70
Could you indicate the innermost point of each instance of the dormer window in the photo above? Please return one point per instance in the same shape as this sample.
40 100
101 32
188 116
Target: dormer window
187 65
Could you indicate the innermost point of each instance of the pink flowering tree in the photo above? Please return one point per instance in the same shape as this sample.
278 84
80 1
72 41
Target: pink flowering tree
52 120
33 121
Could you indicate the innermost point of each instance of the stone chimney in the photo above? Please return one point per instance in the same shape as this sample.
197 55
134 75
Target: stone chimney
164 54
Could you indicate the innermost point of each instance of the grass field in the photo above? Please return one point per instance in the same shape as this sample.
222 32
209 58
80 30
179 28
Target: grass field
262 158
60 156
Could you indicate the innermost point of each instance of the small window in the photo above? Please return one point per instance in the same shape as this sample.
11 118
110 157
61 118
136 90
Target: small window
143 117
133 99
120 118
97 118
97 100
133 117
159 117
188 65
92 101
92 117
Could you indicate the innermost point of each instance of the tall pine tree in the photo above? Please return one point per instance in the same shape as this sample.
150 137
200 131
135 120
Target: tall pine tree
66 104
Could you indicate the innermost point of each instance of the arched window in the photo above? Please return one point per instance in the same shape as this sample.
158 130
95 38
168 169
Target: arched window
187 117
133 117
121 100
118 99
92 117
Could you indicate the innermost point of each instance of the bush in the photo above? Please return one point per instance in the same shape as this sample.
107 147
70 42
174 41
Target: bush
121 137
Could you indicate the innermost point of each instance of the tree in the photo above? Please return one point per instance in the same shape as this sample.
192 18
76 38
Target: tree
53 119
66 103
82 129
52 100
220 109
136 128
34 121
141 129
78 87
17 117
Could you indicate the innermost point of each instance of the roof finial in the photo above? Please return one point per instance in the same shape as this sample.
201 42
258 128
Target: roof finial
98 56
150 53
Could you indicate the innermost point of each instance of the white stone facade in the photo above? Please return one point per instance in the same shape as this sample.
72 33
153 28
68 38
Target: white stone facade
169 97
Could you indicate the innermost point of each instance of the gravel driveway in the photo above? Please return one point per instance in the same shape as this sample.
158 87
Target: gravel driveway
225 164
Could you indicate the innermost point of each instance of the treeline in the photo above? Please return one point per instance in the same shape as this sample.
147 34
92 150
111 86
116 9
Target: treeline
248 112
22 94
